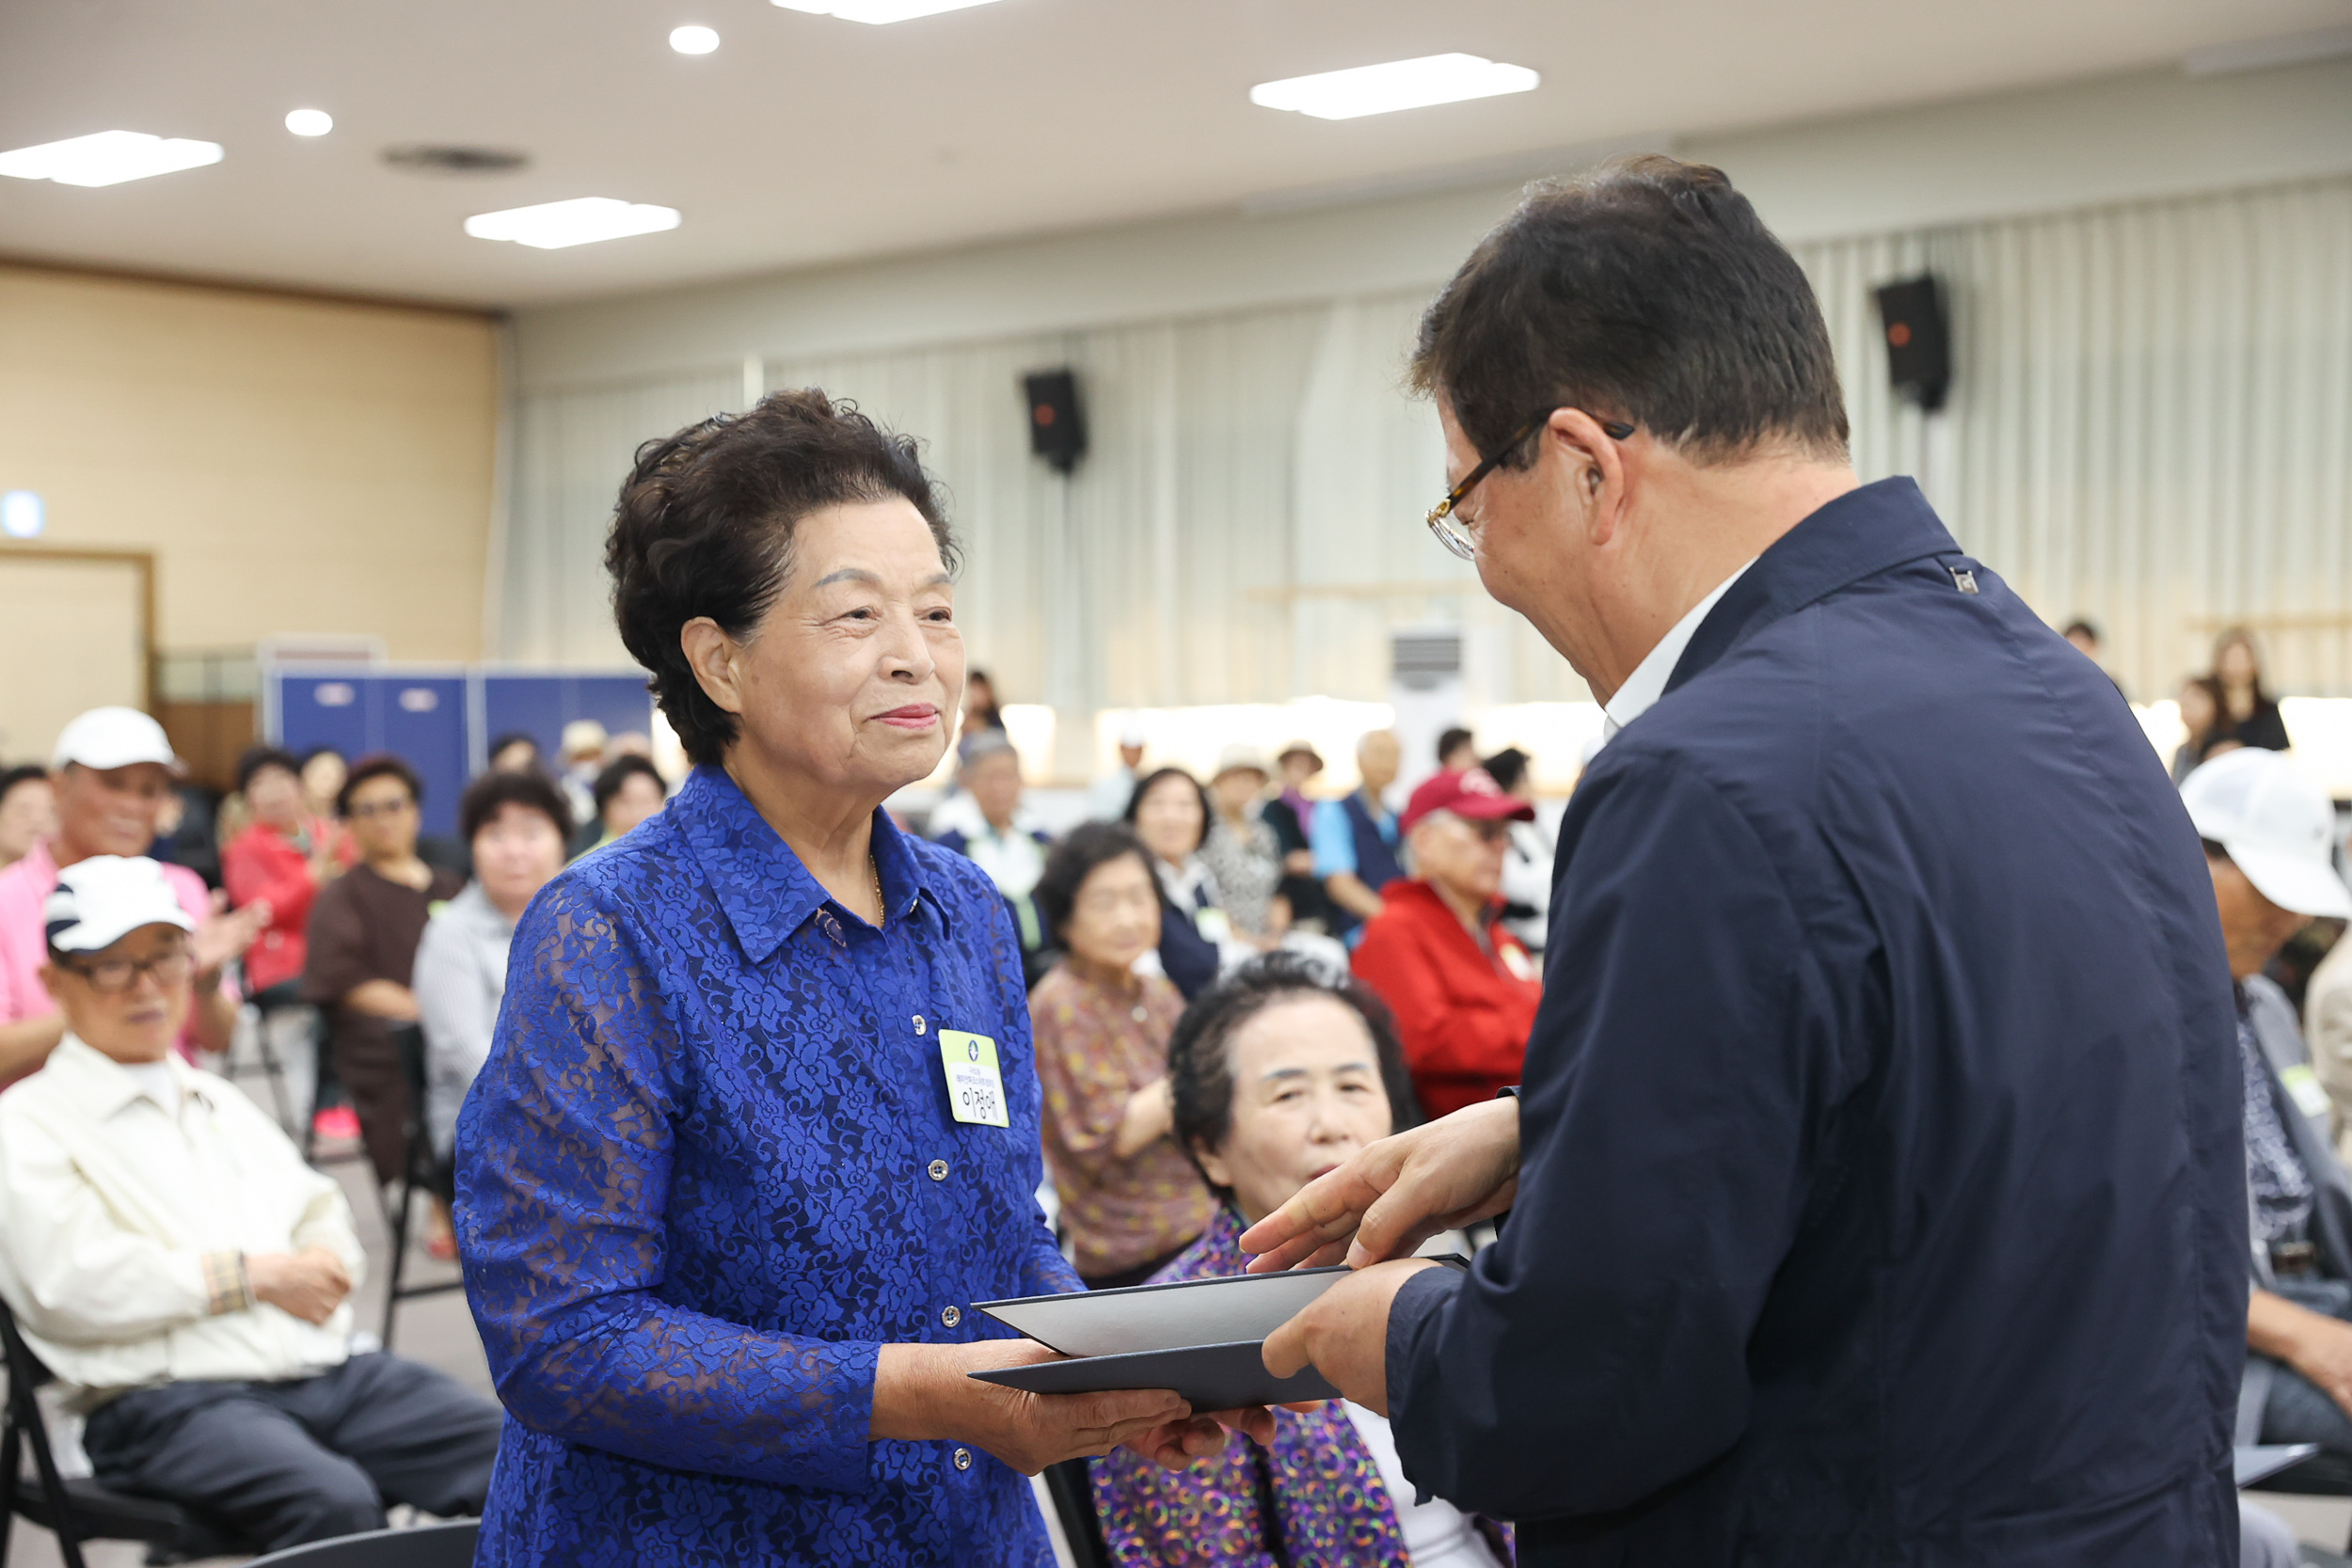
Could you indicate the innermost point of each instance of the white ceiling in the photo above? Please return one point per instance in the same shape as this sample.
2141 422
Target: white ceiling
805 139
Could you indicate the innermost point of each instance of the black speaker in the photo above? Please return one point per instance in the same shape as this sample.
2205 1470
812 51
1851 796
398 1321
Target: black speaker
1057 426
1919 340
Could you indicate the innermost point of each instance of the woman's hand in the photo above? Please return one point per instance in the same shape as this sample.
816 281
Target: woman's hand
925 1393
1150 1116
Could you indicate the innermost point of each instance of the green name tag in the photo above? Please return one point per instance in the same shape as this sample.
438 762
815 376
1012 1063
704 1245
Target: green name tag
975 1090
2304 1087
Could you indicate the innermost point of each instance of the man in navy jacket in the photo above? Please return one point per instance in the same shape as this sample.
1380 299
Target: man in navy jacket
1875 1187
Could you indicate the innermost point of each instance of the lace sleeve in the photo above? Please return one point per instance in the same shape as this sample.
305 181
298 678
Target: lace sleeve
563 1176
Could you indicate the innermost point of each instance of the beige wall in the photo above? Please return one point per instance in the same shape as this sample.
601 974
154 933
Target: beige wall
295 464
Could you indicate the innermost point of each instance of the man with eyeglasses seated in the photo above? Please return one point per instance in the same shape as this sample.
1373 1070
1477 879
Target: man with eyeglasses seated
185 1276
1462 987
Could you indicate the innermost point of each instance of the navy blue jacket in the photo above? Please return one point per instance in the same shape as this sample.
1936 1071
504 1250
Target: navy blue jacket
1882 1198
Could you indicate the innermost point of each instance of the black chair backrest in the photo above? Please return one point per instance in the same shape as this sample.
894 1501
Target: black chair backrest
408 1038
449 1545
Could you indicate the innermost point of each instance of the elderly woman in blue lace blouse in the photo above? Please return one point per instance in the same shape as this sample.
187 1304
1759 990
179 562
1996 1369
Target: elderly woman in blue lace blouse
1278 1073
760 1123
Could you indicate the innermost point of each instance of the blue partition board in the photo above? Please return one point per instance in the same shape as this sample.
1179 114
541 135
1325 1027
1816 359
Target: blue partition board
420 718
540 703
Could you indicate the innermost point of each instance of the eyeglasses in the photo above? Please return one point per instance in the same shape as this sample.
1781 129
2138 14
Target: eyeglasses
113 976
1450 530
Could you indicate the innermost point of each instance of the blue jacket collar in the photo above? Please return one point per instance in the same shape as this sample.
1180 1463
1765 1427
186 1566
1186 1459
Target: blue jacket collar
1861 533
761 884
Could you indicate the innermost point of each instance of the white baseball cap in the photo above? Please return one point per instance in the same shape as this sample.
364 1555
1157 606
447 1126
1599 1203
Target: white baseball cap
2277 825
102 899
113 737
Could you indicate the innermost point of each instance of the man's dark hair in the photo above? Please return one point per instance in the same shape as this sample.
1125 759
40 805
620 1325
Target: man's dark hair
1645 290
377 765
1507 768
619 772
258 757
498 789
2084 628
517 737
1201 1065
704 527
1151 781
24 773
1448 739
1070 862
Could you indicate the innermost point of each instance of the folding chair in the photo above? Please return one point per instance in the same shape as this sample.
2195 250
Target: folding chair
416 1172
78 1510
1069 1484
449 1546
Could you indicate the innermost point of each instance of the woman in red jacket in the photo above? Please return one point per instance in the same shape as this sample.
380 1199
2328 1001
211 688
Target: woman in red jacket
1463 989
283 858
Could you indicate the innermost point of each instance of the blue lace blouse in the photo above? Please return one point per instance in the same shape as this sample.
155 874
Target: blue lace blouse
709 1169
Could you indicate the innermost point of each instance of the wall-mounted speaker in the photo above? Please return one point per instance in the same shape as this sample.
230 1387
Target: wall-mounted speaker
1057 425
1919 340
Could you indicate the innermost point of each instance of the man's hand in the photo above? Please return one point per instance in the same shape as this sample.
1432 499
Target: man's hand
2314 1345
1394 1195
1344 1333
1176 1445
225 935
309 1285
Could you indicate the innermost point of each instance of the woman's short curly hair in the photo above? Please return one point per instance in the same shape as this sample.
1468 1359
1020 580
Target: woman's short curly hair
704 527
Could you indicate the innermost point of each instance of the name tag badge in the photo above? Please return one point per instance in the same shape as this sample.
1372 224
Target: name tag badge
2304 1087
975 1090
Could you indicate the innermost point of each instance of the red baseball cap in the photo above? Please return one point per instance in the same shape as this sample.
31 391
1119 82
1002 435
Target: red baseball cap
1470 792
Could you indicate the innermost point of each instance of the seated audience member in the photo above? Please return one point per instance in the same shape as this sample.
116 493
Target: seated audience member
628 790
516 824
28 812
1170 814
279 860
185 1276
1356 839
1290 815
2201 705
1280 1072
2084 635
581 749
1241 852
2247 715
1463 989
112 778
997 833
1527 861
1129 1200
981 711
1457 750
324 771
2327 1024
2267 843
363 936
516 752
1107 797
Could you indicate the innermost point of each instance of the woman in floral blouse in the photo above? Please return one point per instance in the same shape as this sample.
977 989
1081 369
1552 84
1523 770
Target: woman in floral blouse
1279 1072
1131 1200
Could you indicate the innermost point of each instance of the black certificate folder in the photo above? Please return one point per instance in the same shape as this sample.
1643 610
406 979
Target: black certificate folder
1201 1337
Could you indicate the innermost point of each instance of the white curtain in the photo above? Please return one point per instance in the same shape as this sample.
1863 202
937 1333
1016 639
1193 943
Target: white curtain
2149 425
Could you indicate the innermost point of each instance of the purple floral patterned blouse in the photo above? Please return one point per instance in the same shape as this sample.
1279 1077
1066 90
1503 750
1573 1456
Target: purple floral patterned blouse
1314 1500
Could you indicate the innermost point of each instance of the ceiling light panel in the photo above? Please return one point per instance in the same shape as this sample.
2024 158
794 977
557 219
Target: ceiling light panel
108 158
310 122
583 220
693 41
878 11
1379 90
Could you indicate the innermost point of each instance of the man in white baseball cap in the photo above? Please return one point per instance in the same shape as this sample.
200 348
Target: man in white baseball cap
185 1274
2269 841
114 769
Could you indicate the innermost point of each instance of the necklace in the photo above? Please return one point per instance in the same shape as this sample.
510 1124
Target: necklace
882 910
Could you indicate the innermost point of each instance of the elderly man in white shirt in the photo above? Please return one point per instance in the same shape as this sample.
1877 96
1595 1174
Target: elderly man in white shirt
185 1276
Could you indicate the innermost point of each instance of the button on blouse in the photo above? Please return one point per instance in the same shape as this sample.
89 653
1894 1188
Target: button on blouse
691 1202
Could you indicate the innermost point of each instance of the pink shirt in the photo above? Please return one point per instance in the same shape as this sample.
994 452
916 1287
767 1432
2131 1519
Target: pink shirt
24 890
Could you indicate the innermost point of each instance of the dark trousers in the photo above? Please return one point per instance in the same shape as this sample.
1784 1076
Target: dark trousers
279 1464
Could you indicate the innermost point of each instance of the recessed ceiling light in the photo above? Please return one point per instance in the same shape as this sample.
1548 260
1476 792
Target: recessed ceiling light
108 158
1377 89
22 515
310 122
693 41
877 12
583 220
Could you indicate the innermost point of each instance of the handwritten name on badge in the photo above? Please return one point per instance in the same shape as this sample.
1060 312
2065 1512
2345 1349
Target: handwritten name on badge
975 1090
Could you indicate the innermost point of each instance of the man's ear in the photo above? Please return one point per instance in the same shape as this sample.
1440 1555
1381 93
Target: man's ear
711 653
1597 466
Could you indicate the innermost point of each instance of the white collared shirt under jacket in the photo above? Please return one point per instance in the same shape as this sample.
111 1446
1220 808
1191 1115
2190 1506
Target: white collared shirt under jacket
122 1227
1648 683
